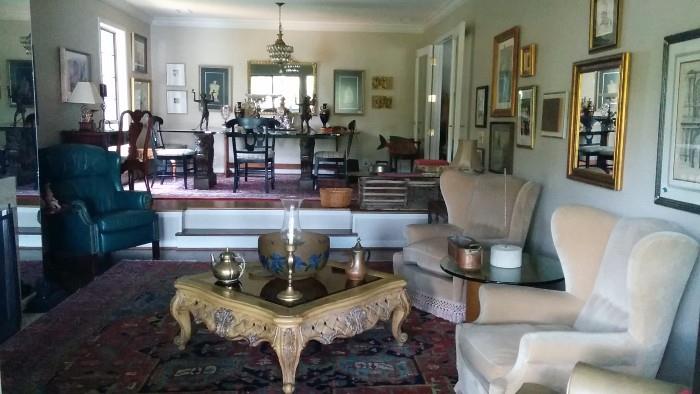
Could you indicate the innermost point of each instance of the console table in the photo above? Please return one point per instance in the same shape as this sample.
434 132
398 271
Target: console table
103 139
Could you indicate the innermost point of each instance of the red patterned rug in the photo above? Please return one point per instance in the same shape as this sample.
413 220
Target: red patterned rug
116 335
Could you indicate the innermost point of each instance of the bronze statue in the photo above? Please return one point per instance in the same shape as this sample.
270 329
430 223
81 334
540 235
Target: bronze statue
306 112
204 103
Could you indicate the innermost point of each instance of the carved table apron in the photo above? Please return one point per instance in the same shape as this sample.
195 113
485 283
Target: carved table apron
234 316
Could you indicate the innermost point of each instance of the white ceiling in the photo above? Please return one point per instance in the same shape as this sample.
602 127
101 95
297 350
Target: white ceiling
409 16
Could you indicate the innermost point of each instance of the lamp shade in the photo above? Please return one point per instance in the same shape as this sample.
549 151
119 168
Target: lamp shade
84 93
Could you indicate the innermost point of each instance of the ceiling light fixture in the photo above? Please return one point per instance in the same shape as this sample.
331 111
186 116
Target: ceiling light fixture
280 52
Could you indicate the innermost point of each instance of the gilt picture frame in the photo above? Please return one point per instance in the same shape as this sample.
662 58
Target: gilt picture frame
139 53
528 61
140 94
678 150
504 72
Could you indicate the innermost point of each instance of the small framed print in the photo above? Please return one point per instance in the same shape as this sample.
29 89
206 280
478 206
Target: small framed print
177 101
501 147
480 109
139 53
528 60
603 25
140 94
553 120
175 74
527 108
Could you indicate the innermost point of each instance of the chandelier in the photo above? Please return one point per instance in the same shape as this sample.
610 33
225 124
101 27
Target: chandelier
280 52
26 42
291 67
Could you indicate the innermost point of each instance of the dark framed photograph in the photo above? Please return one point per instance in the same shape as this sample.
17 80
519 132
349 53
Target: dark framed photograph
528 60
74 68
480 108
21 82
348 91
553 120
504 72
139 53
501 147
526 120
678 155
215 82
603 25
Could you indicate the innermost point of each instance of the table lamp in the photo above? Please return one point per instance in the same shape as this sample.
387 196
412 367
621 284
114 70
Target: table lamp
85 93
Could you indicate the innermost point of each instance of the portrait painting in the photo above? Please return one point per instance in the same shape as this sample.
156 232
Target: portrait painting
678 156
501 147
74 68
504 72
348 91
527 100
139 53
176 101
603 24
175 74
215 82
21 82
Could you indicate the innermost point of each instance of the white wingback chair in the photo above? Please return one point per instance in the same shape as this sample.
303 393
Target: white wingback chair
624 280
476 206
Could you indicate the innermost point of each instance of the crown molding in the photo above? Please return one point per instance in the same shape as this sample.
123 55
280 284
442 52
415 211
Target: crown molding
443 11
130 10
224 23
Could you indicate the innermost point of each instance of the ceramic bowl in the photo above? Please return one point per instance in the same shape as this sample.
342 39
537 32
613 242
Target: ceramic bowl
311 254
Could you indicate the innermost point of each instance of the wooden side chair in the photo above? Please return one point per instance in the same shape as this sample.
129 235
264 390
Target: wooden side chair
136 160
335 161
168 158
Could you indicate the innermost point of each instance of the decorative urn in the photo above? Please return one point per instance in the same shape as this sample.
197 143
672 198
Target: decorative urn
229 268
325 114
357 269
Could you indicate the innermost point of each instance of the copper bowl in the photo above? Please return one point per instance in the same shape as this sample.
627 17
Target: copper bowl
310 256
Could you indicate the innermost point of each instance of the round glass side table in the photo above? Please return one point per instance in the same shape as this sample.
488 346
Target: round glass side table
536 270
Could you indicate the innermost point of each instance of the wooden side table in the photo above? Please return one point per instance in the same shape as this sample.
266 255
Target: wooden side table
103 139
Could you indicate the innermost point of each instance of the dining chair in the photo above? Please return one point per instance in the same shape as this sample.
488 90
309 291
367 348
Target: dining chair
253 151
135 160
168 158
334 161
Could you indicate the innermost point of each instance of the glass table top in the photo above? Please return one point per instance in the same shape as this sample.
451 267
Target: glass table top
260 284
535 270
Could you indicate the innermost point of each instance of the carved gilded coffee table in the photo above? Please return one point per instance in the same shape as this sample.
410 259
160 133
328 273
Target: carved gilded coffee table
332 307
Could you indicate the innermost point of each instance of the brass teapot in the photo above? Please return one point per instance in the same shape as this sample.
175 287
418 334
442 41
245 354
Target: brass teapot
229 268
357 269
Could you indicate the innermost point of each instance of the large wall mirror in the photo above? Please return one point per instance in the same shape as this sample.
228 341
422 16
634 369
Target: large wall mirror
597 120
17 100
293 82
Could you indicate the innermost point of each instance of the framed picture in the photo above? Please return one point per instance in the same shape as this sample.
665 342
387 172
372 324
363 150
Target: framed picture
348 91
504 72
140 94
215 82
501 147
527 115
480 109
175 74
177 101
74 68
528 60
603 25
383 83
21 82
553 120
139 53
678 156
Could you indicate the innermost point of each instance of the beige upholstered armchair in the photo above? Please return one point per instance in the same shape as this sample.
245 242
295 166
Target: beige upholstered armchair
624 280
478 207
587 379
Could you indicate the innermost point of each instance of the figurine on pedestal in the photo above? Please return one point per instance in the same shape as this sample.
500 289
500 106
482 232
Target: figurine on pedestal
325 114
306 112
204 104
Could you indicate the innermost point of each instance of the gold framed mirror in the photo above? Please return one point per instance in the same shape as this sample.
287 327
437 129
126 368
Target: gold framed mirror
597 120
294 82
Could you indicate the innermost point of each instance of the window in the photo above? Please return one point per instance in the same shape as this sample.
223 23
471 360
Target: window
278 85
113 72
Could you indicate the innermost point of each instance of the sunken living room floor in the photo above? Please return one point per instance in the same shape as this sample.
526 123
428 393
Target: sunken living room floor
116 335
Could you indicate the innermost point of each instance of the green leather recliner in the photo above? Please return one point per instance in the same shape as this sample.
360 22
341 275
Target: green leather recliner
97 216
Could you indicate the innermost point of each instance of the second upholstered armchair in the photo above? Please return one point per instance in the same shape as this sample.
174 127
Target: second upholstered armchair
490 208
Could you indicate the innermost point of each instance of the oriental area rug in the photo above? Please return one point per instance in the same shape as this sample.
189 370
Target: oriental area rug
116 336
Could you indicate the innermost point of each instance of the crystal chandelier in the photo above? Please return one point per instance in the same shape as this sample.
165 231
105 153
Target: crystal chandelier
26 42
280 52
292 67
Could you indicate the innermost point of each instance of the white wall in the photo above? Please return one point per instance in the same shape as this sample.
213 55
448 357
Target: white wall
375 53
560 30
72 24
10 32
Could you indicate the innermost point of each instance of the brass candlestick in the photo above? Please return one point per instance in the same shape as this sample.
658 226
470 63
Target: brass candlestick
289 294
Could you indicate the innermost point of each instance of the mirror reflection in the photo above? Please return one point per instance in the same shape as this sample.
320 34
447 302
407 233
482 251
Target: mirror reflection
597 126
268 84
17 102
